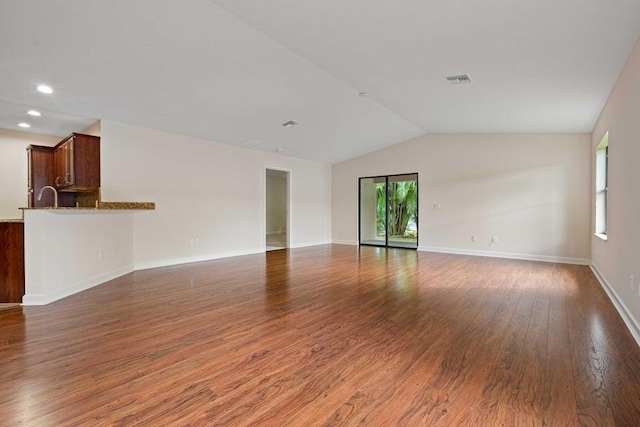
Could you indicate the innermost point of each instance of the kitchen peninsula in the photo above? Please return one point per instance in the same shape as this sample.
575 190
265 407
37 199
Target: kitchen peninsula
68 239
68 250
55 252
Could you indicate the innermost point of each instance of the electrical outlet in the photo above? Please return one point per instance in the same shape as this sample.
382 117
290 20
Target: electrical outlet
193 242
474 238
197 241
631 282
100 256
494 239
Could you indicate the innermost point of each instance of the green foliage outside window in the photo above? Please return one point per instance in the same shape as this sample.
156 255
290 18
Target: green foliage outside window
403 206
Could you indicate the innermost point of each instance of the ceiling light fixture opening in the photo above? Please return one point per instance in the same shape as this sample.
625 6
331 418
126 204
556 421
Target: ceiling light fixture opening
24 125
45 89
290 124
34 113
459 79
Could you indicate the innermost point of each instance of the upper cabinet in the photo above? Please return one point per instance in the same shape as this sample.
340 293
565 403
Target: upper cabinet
76 163
40 174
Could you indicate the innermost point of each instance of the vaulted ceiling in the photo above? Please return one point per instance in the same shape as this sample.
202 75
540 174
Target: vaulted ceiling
235 70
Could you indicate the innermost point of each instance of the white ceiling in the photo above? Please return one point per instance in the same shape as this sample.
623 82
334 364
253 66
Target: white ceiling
50 122
232 70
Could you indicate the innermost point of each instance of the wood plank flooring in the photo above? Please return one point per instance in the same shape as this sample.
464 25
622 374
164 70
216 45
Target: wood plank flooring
325 336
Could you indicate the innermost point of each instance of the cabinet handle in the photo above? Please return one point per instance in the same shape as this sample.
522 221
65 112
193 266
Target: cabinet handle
57 181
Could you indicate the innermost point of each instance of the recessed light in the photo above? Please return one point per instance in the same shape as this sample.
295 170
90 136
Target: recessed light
34 113
24 125
45 89
290 124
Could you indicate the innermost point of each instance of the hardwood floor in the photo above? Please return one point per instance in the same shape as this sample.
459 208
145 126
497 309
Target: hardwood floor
328 335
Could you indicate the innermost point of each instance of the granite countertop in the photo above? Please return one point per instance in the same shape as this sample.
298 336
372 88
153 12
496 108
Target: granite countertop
127 205
104 206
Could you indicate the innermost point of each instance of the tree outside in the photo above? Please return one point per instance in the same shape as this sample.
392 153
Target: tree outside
403 206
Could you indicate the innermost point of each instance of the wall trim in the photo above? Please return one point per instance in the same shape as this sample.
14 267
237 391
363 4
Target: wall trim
43 299
307 244
492 254
345 242
624 312
188 260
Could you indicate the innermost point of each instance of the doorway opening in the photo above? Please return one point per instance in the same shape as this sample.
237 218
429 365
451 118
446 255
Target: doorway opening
277 209
388 211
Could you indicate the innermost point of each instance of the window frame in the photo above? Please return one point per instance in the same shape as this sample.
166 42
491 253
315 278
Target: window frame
602 188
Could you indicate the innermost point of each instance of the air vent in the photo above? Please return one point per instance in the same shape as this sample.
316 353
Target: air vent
456 80
290 124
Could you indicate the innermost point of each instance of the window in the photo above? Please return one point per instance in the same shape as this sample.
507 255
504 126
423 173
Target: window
602 186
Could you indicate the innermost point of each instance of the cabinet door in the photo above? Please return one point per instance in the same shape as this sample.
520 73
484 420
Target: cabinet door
59 166
29 167
69 163
86 157
30 190
40 173
77 163
64 164
11 262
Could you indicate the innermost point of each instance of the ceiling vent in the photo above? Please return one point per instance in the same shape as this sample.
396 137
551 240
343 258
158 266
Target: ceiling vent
290 124
457 80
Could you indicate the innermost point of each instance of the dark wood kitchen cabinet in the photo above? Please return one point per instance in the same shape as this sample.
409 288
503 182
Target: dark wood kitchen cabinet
40 173
11 261
76 163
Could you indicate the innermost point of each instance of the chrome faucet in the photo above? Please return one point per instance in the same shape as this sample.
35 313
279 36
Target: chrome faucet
55 194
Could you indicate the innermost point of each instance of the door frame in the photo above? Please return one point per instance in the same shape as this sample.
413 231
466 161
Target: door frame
287 207
386 234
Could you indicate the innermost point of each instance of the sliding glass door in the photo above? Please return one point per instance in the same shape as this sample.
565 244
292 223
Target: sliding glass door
388 211
373 211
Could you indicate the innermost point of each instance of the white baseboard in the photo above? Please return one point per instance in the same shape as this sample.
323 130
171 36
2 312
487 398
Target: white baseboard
188 260
43 299
526 257
307 244
627 318
345 242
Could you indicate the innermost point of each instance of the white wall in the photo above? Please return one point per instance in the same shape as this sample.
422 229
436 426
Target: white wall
94 129
617 258
205 190
62 251
13 169
531 191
